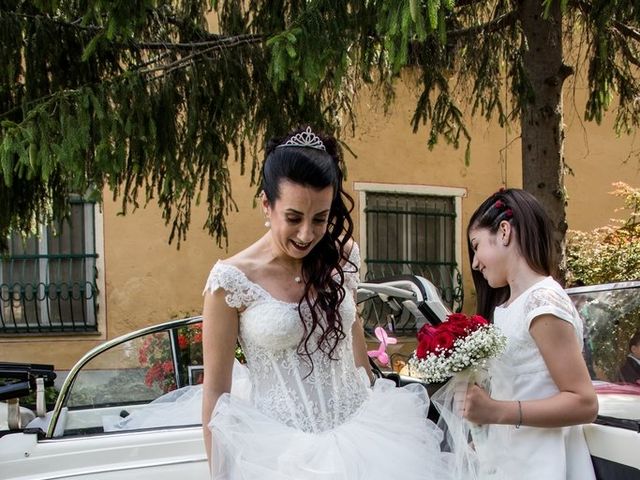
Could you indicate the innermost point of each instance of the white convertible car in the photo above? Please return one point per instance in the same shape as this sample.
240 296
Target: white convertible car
130 409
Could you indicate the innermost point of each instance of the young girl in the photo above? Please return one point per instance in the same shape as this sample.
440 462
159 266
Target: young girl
289 299
540 387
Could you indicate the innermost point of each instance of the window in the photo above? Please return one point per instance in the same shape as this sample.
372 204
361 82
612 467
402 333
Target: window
611 321
145 381
48 283
413 230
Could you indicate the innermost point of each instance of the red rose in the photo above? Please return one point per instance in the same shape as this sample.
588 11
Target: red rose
459 328
426 331
479 320
459 324
425 347
443 340
456 317
183 343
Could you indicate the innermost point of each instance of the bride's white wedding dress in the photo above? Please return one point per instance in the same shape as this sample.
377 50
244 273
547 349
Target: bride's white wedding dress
314 423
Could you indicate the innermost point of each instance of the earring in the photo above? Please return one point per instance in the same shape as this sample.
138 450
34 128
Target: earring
267 224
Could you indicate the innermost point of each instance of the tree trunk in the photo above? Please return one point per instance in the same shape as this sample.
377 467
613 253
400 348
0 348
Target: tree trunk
541 119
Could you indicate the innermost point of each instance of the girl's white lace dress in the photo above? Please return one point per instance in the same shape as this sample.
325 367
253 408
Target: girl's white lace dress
321 423
520 373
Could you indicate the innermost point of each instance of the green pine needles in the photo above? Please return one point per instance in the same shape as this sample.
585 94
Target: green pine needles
150 100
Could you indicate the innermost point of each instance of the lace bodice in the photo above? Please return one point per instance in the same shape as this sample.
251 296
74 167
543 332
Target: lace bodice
284 386
521 372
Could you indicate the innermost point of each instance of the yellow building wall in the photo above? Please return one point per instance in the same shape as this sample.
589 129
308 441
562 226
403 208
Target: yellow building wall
147 281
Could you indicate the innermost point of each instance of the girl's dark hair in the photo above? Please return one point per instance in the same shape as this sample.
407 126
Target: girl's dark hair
532 230
322 268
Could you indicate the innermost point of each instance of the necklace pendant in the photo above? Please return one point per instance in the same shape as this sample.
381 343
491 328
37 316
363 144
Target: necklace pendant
297 279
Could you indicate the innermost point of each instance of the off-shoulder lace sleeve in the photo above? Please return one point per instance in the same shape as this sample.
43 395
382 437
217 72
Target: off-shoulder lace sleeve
544 301
240 293
352 268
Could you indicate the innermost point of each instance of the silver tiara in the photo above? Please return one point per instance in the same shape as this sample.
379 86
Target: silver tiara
305 139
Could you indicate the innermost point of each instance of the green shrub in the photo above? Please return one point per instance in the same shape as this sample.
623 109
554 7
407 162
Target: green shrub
610 253
50 397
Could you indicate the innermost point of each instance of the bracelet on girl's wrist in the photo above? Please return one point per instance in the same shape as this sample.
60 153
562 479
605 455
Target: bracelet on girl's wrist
519 424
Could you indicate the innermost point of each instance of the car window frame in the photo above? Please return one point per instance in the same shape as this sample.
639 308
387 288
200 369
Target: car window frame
69 381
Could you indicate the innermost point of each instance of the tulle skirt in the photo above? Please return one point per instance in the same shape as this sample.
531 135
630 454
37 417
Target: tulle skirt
504 452
389 437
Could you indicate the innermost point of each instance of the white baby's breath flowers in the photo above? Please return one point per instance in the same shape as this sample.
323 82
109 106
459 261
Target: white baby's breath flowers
472 350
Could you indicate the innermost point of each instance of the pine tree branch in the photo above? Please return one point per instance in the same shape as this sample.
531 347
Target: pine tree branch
228 42
56 20
26 106
220 44
627 52
622 30
467 3
220 41
506 20
212 37
627 31
155 59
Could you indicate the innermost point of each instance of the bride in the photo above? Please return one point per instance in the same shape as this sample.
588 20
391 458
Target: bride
314 411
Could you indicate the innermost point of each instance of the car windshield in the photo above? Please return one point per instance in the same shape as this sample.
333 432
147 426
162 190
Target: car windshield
611 315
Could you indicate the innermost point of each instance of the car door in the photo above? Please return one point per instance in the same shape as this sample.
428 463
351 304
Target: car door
128 410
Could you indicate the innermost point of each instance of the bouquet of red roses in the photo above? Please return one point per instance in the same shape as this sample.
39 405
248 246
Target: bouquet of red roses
453 346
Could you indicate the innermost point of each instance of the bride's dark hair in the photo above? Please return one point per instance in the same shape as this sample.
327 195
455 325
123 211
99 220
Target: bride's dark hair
322 268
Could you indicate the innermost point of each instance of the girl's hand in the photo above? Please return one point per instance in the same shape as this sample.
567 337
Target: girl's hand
479 407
